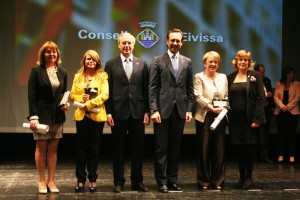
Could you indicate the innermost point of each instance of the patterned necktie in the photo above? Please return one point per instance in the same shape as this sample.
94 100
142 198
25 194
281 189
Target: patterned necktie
175 65
127 67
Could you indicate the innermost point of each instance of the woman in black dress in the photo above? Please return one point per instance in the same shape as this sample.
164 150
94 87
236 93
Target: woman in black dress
246 98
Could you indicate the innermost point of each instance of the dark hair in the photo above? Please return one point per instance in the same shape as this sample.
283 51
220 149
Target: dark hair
175 30
285 71
257 66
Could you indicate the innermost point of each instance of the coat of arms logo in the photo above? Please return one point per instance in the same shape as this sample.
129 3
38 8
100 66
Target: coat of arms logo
147 38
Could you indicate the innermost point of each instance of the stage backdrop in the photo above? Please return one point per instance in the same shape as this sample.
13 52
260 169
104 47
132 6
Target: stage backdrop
225 26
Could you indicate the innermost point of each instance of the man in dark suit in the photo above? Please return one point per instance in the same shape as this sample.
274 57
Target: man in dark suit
263 145
171 98
127 111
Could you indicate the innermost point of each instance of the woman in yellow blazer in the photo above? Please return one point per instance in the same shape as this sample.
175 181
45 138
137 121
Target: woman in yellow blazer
286 97
90 90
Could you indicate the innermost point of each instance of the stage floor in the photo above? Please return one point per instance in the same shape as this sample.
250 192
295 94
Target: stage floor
18 180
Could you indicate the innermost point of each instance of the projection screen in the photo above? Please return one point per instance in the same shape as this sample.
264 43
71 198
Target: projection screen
225 26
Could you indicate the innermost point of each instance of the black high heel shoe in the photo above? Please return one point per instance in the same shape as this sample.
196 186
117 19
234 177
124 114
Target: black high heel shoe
92 188
78 188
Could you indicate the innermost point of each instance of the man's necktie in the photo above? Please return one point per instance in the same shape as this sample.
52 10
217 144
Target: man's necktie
127 67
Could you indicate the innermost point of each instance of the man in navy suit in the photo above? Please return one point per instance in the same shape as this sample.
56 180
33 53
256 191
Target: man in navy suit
171 99
127 111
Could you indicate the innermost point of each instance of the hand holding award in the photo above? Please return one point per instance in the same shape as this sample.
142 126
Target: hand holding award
218 119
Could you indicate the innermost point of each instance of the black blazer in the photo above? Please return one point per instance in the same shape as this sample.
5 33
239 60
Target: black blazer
42 102
255 96
127 96
165 90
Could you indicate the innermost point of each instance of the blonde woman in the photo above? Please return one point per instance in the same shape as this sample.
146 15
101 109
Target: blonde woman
90 87
210 86
246 99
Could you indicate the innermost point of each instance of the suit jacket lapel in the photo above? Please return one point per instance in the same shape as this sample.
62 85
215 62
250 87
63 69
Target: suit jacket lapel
120 67
180 65
169 64
59 76
45 75
134 67
249 74
231 78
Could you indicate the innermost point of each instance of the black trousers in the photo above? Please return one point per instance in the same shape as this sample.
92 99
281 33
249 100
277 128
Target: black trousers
89 134
129 132
263 143
287 127
167 140
210 152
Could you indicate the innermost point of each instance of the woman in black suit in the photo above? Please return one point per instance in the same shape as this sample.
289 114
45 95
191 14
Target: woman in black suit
46 85
246 98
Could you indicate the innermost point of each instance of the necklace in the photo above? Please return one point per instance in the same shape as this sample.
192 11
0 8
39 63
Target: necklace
87 81
51 71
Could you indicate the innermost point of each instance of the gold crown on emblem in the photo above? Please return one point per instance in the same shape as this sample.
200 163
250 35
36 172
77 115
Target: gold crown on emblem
147 24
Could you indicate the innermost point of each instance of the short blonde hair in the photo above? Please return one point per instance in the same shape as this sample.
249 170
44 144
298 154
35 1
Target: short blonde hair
242 54
41 54
212 54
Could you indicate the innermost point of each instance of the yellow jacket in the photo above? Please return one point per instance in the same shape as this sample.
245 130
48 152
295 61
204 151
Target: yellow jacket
100 82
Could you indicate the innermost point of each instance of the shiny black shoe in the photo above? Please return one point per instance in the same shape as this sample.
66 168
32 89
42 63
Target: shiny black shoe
173 187
79 189
163 189
92 188
240 184
118 188
139 187
248 184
